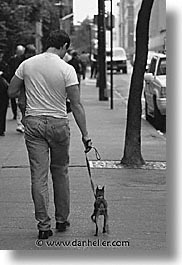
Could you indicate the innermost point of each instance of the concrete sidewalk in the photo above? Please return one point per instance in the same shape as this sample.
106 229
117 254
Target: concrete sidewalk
136 197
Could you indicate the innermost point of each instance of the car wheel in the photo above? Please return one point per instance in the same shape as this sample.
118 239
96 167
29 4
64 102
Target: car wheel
157 116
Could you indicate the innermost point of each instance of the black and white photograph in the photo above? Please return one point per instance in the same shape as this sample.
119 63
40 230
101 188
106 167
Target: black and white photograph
83 129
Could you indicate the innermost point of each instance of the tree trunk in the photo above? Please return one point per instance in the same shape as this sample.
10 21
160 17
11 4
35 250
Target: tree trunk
132 151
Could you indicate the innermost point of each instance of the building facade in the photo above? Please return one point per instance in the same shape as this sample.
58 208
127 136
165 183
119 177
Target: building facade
127 20
126 25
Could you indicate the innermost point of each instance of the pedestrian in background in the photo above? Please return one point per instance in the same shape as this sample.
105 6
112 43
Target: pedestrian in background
12 65
93 66
4 100
77 64
3 63
85 61
49 80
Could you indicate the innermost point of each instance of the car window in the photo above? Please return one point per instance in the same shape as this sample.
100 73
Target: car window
152 66
162 67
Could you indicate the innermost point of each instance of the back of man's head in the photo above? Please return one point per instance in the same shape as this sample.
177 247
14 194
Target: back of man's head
57 39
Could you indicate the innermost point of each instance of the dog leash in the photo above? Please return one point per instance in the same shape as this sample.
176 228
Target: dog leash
88 167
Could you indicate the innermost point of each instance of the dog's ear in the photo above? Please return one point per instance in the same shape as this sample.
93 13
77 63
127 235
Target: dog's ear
103 188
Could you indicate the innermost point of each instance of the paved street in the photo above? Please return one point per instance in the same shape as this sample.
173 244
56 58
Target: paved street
136 197
121 89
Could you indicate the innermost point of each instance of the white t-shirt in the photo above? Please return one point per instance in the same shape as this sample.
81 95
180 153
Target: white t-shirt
46 77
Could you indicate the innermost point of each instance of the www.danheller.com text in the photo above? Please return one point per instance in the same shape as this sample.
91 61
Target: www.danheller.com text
82 243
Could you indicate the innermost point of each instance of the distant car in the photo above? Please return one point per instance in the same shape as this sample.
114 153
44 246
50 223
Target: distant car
119 59
155 90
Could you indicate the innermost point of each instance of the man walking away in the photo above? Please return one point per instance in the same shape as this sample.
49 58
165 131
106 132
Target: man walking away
93 65
9 72
4 100
76 63
85 61
48 81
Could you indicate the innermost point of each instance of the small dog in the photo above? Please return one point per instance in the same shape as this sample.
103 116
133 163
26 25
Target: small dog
100 208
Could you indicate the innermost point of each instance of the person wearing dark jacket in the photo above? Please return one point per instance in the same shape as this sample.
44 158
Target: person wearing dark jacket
4 99
76 63
9 72
85 61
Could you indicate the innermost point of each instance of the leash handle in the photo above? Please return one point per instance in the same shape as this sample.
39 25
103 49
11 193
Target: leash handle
88 167
96 153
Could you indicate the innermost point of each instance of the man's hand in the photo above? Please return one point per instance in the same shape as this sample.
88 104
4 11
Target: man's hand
87 143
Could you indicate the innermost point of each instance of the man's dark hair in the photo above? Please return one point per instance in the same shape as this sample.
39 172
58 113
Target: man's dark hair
57 39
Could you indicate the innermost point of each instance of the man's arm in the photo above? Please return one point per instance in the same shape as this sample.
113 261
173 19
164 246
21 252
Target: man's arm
15 87
78 110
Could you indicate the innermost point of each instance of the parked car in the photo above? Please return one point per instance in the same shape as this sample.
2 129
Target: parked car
119 59
155 90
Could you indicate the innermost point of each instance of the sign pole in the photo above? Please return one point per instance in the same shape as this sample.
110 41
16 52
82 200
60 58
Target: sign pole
102 51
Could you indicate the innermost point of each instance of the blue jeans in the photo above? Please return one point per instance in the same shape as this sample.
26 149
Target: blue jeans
47 139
